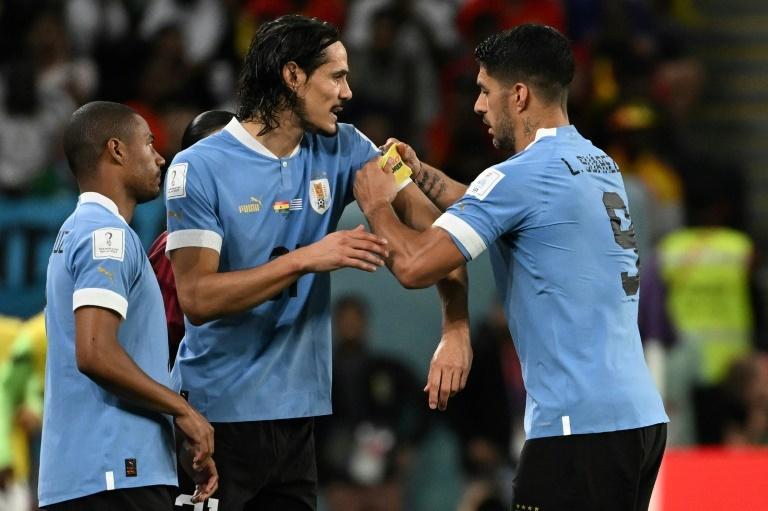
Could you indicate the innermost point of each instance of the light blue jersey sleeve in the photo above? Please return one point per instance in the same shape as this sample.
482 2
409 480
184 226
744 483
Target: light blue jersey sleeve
361 150
494 203
192 218
104 266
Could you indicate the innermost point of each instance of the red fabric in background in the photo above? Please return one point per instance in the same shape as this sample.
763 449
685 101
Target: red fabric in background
173 315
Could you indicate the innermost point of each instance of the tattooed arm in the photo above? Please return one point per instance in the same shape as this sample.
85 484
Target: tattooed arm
441 190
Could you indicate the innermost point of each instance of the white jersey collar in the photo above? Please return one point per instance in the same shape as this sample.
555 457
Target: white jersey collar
541 133
101 200
237 130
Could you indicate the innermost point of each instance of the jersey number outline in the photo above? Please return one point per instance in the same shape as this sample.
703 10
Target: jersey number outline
293 289
186 500
624 238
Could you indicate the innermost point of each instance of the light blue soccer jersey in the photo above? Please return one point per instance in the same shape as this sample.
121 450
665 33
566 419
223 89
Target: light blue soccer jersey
230 194
556 219
92 440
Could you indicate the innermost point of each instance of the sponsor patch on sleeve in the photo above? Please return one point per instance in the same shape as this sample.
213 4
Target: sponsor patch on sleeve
176 181
109 243
484 183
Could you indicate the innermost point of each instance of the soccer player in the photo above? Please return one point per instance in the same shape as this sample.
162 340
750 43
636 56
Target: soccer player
251 214
108 438
556 221
200 127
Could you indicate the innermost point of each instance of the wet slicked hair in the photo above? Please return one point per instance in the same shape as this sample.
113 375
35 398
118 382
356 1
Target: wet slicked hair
534 54
89 129
203 125
263 93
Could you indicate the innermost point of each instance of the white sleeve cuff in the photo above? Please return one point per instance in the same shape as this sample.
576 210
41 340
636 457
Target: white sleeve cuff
100 298
463 232
405 183
193 238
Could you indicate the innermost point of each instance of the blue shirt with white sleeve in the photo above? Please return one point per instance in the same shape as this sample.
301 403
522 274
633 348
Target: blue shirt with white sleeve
230 194
556 221
92 440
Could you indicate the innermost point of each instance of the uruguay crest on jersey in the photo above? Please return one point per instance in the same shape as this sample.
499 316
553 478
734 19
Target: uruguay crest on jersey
320 195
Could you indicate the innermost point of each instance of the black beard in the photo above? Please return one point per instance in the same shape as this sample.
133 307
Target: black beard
301 112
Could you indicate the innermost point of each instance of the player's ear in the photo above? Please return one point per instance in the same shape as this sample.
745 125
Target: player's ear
116 150
520 96
293 75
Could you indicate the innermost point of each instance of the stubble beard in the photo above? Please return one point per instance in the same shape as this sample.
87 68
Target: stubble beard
300 110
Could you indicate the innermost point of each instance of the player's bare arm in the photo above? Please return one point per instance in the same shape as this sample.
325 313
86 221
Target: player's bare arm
206 294
439 188
101 357
452 360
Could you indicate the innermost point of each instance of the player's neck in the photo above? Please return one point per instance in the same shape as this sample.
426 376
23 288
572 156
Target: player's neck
125 204
280 141
532 122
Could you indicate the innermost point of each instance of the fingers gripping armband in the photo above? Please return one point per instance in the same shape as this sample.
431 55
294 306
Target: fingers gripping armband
400 170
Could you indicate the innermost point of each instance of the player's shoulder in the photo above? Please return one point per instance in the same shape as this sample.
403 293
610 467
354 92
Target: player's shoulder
104 231
347 136
206 154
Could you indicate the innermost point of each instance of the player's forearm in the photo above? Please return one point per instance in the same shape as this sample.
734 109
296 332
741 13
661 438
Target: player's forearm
441 190
406 254
218 294
107 364
453 295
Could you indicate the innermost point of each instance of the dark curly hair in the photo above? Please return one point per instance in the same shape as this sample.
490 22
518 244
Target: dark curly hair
263 93
536 54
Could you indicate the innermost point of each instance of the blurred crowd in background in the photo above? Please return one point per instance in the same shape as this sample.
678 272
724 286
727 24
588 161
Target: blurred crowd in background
642 79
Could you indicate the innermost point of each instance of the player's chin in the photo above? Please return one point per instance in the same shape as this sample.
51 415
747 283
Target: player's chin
330 130
149 194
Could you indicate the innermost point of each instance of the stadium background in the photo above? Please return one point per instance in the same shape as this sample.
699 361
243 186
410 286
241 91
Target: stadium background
675 90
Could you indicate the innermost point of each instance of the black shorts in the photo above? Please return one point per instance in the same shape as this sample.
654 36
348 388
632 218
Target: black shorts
262 465
595 472
144 498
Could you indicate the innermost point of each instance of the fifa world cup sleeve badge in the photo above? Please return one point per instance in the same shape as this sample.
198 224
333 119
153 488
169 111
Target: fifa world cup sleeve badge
320 195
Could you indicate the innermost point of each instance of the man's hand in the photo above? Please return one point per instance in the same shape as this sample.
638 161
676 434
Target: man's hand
449 368
375 187
355 248
205 476
198 436
407 154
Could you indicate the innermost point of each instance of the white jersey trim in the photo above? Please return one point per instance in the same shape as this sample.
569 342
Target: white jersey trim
100 298
110 480
237 130
193 238
463 232
405 183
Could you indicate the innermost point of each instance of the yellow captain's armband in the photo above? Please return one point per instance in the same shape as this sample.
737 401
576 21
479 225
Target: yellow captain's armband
400 170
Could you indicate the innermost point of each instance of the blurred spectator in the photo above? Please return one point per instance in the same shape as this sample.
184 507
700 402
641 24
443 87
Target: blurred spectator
425 24
200 24
394 73
735 412
30 123
22 376
488 416
364 448
706 270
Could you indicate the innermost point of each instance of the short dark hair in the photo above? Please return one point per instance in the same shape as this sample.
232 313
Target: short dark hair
89 129
203 125
531 53
263 93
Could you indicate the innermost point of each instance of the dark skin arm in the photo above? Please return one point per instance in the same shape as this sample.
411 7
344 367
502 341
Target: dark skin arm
102 359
